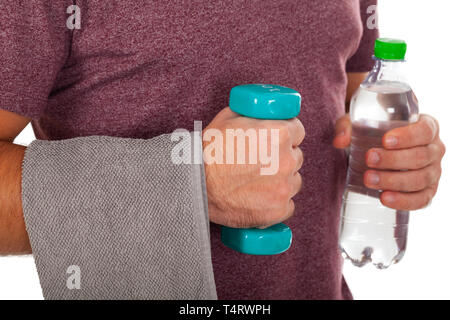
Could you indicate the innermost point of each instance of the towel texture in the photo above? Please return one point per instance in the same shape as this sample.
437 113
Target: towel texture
118 219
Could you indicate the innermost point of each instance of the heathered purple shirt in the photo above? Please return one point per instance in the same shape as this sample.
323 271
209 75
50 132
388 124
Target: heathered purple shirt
141 68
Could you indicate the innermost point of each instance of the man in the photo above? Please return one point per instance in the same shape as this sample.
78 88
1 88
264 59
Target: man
140 69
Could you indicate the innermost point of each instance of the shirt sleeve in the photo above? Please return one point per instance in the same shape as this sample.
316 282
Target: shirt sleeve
35 44
362 60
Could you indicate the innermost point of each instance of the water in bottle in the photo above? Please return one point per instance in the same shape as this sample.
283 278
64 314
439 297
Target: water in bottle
371 232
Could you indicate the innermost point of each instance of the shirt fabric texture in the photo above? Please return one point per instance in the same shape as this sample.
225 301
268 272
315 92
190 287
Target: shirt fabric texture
139 69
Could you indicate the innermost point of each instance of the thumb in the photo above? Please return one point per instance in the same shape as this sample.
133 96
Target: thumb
342 132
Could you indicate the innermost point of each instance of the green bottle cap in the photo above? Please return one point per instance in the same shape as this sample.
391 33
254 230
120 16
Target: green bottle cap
390 49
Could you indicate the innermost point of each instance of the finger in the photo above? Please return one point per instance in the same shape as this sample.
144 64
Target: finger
297 131
298 155
343 132
420 133
290 211
292 129
405 159
405 181
408 201
296 184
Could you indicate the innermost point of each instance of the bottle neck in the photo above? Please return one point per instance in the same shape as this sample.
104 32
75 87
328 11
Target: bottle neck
387 71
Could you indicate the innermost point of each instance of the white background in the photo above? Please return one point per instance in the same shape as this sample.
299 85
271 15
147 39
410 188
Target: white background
424 272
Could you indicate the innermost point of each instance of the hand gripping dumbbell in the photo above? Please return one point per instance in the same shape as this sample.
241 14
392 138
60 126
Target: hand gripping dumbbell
270 102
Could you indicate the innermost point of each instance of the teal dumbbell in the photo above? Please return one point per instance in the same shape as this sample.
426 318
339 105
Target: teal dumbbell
270 102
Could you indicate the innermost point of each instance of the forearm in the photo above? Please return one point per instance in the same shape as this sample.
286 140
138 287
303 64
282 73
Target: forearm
13 234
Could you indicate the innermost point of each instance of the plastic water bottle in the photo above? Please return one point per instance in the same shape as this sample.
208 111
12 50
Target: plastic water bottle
371 232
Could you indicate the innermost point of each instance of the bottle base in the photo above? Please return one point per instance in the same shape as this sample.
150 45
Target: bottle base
366 258
371 232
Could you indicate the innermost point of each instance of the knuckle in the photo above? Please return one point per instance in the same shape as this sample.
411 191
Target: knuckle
300 159
430 176
423 180
434 151
436 174
296 121
280 192
291 209
292 162
284 192
301 128
288 164
299 183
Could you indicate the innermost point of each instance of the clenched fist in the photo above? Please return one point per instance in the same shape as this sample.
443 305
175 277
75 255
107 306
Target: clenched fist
239 195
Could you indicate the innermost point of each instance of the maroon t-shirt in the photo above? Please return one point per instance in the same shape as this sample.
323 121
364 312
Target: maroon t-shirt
143 68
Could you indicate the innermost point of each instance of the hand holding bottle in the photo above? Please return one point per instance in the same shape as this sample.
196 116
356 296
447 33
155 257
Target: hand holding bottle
394 162
416 148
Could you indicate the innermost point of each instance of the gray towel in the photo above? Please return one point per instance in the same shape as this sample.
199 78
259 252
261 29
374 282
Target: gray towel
113 218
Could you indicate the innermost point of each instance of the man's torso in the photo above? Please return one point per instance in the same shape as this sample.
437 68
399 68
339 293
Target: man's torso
143 68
